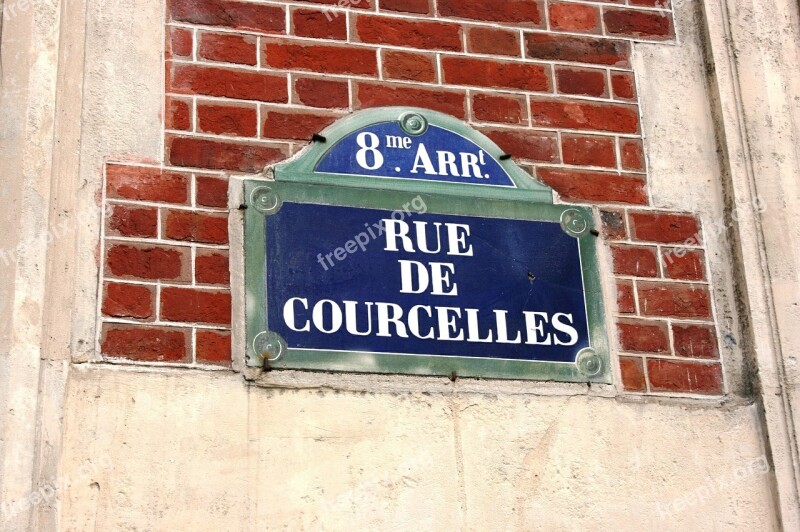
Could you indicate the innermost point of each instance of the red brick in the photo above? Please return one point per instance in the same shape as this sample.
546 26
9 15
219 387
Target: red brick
229 83
228 48
227 120
650 3
134 221
635 23
322 58
521 12
595 186
409 33
315 92
407 6
148 262
128 301
625 300
493 41
211 267
229 14
495 108
577 49
351 4
196 227
613 224
623 86
635 260
181 42
643 336
382 94
213 347
295 125
674 300
409 66
525 144
194 305
581 81
574 17
589 151
145 344
664 227
488 73
210 154
146 184
318 24
684 264
632 154
681 376
179 114
211 191
632 371
695 341
584 115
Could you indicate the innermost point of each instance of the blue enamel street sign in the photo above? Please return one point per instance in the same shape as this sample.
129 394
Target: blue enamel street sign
425 284
401 243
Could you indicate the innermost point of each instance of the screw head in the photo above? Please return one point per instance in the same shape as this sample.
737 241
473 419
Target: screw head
589 363
265 200
574 223
269 345
413 123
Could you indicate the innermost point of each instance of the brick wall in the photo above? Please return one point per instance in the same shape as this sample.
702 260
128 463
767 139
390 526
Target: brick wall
248 84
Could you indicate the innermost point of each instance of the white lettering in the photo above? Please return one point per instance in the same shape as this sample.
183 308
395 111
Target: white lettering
448 324
318 316
384 320
565 328
458 233
534 324
350 318
470 161
407 277
447 164
502 329
440 279
395 229
369 143
413 322
423 160
422 237
288 314
473 330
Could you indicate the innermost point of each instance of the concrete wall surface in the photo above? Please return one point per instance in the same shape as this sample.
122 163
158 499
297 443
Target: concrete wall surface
188 450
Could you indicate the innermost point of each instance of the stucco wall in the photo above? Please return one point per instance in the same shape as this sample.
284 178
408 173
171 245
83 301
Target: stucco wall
183 450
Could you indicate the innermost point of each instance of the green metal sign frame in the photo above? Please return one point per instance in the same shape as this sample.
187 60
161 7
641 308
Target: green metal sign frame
296 181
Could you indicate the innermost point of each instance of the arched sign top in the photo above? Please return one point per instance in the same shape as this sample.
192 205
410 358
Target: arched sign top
402 148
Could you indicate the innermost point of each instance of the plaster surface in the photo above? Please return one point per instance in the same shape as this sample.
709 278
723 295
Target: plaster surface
200 450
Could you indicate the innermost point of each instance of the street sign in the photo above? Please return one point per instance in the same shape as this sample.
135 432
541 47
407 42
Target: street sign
402 242
432 153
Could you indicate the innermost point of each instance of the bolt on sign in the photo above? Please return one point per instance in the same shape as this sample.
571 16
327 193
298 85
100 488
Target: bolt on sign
403 241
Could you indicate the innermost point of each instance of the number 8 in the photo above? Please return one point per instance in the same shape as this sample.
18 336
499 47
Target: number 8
361 156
